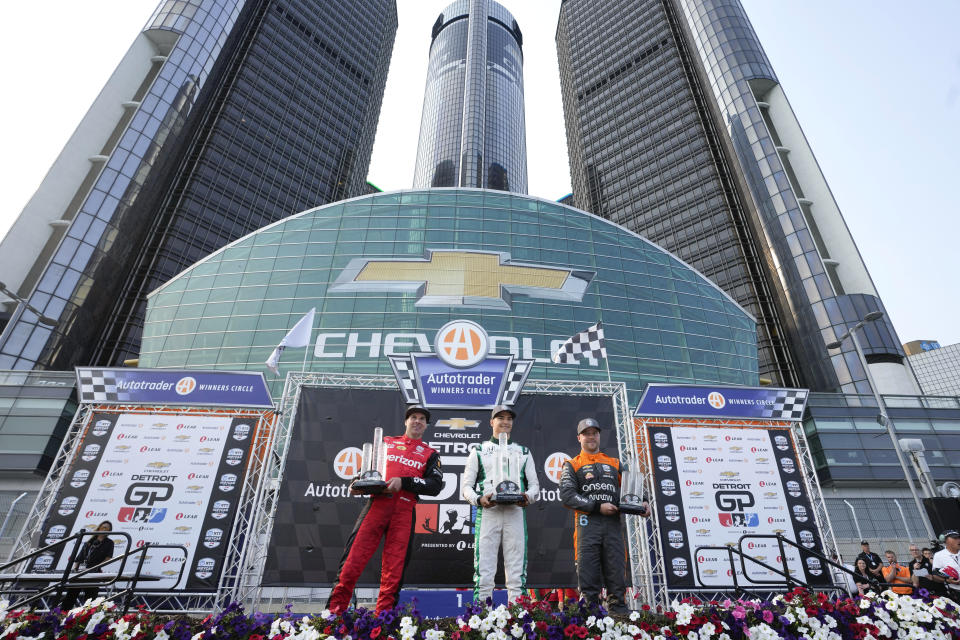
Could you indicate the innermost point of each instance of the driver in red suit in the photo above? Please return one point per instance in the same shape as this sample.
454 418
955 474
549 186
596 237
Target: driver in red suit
413 469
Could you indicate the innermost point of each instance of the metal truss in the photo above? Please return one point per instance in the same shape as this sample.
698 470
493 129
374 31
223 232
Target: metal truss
648 532
165 601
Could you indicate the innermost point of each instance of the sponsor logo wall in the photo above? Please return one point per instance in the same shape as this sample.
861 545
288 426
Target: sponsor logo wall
716 484
162 478
316 514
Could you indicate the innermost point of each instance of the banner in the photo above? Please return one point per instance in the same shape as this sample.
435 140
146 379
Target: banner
716 484
162 478
763 403
172 387
316 514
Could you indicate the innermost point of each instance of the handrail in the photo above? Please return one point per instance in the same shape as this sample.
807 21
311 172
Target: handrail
68 579
731 551
781 539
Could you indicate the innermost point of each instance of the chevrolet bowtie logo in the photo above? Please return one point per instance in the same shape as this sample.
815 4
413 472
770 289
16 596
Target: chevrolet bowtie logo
458 424
448 278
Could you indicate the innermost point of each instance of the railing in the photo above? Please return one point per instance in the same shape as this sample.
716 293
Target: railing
69 579
789 580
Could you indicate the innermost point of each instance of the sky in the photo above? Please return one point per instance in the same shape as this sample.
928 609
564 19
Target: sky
875 86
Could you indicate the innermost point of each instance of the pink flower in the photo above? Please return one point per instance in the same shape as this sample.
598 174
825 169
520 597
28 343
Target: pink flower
739 613
767 616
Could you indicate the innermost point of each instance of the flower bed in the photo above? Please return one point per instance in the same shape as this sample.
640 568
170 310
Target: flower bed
798 614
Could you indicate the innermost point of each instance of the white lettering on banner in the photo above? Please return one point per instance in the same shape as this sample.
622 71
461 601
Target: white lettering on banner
353 341
416 464
350 345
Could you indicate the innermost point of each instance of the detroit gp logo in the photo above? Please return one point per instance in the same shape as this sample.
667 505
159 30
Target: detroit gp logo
679 567
664 463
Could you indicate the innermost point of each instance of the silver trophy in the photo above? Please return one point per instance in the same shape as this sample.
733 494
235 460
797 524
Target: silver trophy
373 468
507 477
631 487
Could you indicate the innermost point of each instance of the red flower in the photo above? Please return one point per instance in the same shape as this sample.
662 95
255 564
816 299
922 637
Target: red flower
343 629
373 632
581 632
541 625
256 636
570 630
455 635
813 612
158 627
645 607
328 629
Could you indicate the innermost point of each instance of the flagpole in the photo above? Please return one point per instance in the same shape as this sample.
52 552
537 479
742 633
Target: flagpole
606 360
306 351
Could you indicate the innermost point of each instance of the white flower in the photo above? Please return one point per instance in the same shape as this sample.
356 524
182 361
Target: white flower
707 630
474 622
515 631
197 636
608 622
634 616
433 634
161 635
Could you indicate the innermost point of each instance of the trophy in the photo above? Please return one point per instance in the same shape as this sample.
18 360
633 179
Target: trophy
507 477
373 467
631 488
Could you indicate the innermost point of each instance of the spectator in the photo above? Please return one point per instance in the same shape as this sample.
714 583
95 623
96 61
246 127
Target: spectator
896 574
873 560
95 550
946 564
864 576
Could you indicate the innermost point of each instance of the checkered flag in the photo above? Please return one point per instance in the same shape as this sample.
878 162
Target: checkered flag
786 404
406 379
516 376
586 344
99 385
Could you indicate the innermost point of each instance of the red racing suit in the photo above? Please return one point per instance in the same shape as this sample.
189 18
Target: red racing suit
390 515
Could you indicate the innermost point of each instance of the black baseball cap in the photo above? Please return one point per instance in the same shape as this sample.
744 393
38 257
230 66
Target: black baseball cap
587 423
949 533
501 408
416 409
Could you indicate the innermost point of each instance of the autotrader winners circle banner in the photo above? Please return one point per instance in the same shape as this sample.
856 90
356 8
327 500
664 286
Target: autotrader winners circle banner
162 478
716 484
315 513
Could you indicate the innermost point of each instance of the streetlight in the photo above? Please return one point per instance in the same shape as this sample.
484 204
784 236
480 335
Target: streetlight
884 418
50 322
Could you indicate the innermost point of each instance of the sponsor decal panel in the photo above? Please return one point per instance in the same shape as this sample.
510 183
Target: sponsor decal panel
726 486
154 492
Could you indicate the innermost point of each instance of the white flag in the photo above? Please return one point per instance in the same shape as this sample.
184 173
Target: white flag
299 336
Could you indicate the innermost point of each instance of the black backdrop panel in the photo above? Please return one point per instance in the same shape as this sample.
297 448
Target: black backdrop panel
315 515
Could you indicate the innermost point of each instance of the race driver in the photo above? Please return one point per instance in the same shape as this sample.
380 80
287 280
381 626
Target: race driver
498 525
413 469
590 484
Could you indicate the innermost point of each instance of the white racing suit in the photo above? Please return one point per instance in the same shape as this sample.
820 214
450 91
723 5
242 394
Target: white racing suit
504 525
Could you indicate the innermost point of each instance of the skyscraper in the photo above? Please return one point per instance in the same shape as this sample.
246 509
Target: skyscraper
472 132
223 116
678 129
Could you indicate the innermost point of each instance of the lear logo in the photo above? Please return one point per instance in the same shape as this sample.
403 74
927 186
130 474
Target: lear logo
185 385
462 343
458 424
553 466
347 463
716 400
447 278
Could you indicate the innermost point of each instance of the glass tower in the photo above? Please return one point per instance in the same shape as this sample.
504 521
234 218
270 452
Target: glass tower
224 116
472 133
678 129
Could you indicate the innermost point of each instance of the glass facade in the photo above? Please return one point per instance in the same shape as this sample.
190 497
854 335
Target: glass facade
472 132
35 410
253 109
664 322
938 370
667 138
